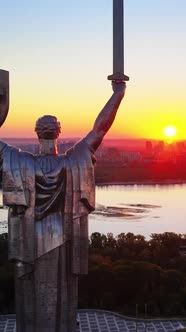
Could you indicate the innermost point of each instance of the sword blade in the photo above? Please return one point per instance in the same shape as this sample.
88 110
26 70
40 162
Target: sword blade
118 37
118 42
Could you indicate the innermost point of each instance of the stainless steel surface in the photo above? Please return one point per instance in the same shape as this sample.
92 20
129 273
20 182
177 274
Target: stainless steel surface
49 198
118 42
4 95
118 37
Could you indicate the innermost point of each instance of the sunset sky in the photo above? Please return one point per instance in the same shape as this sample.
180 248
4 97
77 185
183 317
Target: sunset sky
59 54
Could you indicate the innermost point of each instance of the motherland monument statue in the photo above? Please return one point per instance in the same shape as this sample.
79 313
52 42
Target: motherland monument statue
49 197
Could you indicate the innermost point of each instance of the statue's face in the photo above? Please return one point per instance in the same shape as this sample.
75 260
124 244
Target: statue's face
47 127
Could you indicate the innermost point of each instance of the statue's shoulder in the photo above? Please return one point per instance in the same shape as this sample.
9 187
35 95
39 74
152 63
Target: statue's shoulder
79 146
23 156
2 146
7 148
81 152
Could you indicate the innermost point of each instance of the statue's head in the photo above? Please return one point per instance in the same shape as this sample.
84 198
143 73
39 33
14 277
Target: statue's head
48 127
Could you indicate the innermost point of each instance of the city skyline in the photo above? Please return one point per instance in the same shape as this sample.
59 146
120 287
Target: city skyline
59 55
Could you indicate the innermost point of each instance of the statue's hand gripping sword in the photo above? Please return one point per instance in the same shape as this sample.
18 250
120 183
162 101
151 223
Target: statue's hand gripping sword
118 42
4 95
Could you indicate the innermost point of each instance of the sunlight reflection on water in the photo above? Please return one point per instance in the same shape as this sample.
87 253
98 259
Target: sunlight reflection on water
164 204
140 209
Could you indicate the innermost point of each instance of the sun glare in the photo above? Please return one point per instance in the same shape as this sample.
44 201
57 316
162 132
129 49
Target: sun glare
170 131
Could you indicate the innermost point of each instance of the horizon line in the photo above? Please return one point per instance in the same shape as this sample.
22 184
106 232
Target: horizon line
105 139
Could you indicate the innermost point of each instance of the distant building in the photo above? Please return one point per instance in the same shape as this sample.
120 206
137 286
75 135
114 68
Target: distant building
130 156
148 147
101 153
180 147
160 147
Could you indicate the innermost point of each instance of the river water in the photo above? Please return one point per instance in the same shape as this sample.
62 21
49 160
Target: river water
140 209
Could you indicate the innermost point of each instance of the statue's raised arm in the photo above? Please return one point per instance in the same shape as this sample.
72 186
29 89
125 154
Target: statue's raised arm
106 117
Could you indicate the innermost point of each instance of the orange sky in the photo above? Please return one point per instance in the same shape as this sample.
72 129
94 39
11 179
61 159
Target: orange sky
59 65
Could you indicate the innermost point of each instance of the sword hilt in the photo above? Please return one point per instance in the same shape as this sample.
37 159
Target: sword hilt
118 77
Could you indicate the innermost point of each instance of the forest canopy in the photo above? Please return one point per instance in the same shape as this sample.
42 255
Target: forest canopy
127 274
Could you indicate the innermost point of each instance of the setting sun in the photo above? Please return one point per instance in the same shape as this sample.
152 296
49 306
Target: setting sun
170 131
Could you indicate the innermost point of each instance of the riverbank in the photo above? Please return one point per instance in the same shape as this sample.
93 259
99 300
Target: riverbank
111 173
148 182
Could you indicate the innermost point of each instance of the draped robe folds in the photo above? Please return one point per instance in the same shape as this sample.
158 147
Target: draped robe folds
49 199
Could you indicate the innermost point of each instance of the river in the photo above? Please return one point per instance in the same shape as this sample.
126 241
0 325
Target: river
140 209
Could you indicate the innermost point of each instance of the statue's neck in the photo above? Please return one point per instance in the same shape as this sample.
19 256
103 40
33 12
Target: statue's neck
48 146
